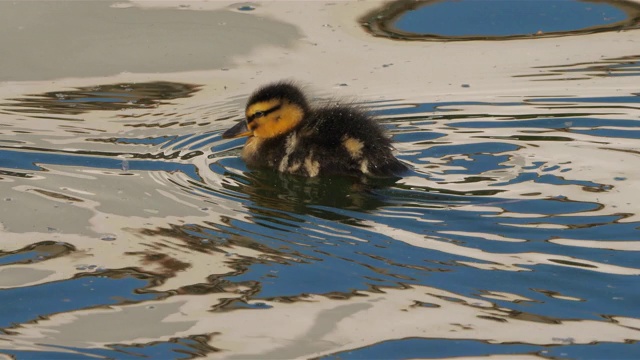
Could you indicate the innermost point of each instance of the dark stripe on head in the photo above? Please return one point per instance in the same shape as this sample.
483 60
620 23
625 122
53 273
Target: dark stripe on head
258 114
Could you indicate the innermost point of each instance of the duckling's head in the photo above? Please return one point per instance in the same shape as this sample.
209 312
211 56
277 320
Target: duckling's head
271 111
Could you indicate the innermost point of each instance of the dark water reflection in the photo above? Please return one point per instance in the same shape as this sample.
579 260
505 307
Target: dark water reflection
502 224
114 97
607 67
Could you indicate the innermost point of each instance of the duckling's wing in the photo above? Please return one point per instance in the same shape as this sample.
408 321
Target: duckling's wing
346 140
331 124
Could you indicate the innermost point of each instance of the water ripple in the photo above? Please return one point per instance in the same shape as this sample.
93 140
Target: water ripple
515 214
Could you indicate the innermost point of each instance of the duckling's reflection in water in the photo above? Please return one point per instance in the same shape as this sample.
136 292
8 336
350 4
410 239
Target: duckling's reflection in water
272 193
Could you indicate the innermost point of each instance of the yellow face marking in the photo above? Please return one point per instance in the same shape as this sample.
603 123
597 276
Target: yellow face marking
353 146
273 118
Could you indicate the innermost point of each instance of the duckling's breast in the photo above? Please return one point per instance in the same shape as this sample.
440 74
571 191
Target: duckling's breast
259 152
251 149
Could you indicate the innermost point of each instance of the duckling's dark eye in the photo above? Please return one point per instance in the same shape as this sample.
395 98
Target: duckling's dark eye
256 115
259 114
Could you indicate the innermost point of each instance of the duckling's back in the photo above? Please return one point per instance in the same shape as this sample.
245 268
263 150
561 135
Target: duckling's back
339 140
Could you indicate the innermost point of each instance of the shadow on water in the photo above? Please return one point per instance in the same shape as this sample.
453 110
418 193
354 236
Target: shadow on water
112 97
269 189
606 67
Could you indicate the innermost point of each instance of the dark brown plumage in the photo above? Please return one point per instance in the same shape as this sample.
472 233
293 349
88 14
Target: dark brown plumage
288 135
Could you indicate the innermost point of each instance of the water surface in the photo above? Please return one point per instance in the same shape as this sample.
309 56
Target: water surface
508 221
130 229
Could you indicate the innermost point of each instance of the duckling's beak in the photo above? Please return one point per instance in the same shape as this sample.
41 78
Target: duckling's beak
238 130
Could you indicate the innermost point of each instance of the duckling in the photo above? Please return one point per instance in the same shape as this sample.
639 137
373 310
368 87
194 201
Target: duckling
286 134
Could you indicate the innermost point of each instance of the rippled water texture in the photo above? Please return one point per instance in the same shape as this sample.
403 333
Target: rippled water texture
129 229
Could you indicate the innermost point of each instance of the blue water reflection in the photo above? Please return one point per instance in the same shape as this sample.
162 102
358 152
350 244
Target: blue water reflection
504 18
25 304
416 348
